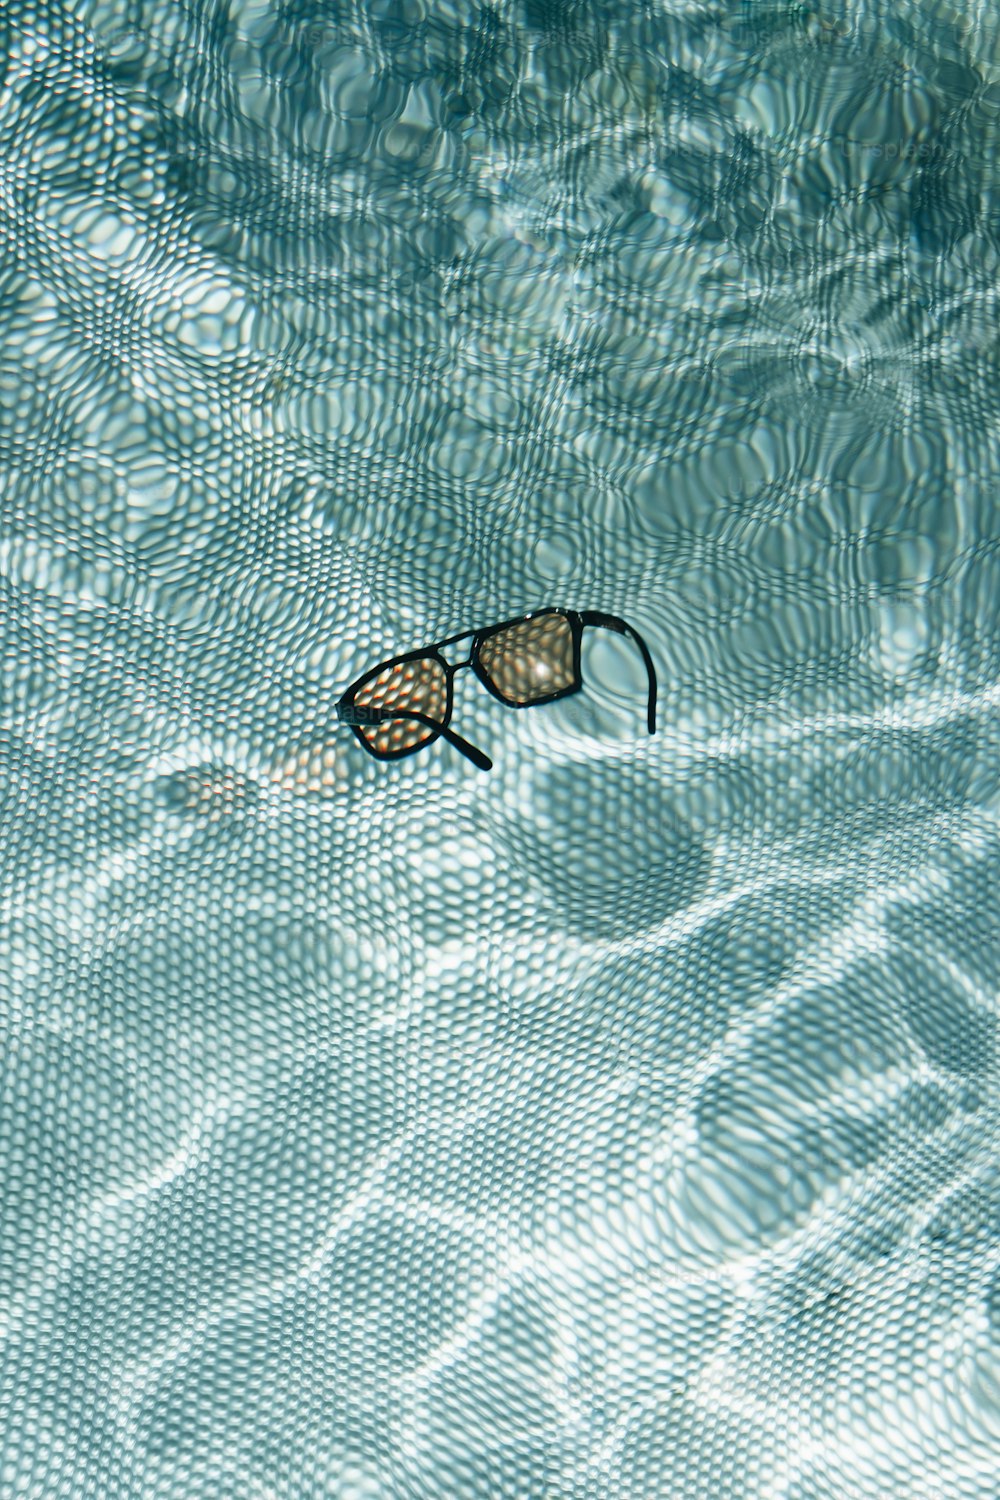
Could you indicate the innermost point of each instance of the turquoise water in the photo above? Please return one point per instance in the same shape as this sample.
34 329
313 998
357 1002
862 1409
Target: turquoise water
620 1124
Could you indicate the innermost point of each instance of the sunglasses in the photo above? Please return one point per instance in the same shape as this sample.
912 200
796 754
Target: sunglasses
404 704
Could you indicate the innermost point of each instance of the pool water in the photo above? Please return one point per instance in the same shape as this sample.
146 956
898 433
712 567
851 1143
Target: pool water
621 1123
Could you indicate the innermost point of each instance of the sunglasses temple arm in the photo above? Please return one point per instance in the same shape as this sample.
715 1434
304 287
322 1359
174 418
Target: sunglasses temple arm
462 746
612 622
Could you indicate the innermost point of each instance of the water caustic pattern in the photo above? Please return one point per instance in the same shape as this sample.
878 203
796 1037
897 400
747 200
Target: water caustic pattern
621 1124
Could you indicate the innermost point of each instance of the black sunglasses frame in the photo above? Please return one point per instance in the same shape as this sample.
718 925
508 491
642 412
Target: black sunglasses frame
357 715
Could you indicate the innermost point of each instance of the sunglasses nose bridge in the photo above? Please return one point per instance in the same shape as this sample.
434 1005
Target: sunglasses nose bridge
453 663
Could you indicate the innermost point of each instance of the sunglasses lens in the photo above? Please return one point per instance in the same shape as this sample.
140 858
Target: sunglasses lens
419 686
531 660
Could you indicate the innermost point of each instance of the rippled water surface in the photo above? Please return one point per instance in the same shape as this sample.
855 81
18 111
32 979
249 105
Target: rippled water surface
620 1124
